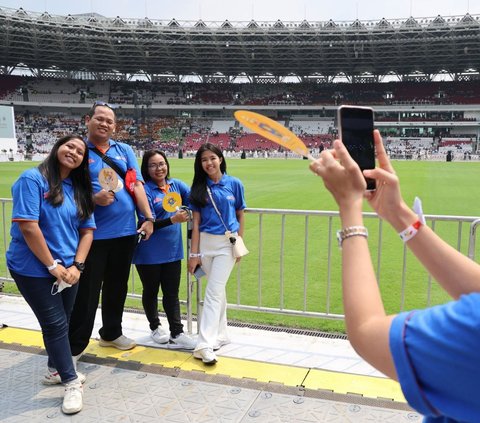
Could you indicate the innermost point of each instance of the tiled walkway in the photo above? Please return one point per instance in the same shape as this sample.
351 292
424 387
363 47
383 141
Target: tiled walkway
262 376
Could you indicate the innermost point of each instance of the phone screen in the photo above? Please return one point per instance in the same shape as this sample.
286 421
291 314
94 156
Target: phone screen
356 132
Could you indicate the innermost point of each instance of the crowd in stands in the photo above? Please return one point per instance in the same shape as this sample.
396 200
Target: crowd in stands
15 88
184 136
175 135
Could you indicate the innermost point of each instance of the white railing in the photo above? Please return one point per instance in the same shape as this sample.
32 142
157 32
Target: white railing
297 248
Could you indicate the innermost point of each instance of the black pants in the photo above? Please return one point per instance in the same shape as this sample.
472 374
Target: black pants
166 275
109 262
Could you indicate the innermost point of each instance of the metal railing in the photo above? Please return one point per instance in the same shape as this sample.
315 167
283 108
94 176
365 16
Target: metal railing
298 248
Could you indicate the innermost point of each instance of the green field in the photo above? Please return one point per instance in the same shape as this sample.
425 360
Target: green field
445 188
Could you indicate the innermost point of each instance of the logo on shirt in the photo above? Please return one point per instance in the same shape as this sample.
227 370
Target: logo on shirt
157 200
121 158
231 197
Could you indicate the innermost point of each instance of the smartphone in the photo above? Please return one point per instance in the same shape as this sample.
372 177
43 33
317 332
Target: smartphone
199 272
355 126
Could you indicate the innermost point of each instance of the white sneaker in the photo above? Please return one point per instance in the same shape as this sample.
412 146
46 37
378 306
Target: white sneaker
160 335
121 343
75 359
73 399
182 341
220 343
53 378
206 355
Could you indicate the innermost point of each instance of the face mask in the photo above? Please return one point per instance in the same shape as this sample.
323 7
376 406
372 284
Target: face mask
59 286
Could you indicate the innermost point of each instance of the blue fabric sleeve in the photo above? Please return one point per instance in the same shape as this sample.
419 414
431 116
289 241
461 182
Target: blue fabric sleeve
435 352
27 191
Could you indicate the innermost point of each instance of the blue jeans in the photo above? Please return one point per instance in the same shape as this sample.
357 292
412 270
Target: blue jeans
53 313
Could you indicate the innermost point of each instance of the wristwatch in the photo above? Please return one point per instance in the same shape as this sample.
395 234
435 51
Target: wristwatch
79 266
150 219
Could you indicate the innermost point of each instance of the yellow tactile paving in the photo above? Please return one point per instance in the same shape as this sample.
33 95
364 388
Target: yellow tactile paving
341 383
145 355
344 383
241 368
25 337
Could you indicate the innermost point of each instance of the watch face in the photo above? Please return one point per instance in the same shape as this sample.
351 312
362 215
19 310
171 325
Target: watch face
79 266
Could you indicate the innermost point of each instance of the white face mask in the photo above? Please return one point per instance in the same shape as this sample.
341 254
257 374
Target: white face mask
59 286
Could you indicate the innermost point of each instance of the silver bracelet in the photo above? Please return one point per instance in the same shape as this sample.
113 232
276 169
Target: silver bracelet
350 231
195 255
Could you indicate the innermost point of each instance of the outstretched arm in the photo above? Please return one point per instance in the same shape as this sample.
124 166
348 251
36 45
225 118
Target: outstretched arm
367 324
456 273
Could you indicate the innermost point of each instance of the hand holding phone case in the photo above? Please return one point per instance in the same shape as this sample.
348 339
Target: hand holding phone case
199 272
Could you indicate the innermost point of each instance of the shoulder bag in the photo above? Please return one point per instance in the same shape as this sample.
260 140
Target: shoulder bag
239 248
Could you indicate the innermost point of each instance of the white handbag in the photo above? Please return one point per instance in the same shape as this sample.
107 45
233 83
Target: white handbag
239 247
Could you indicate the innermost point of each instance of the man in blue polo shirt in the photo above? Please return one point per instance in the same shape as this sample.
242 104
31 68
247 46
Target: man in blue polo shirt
107 266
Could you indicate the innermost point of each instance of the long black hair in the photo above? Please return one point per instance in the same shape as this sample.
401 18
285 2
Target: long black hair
146 157
198 192
80 176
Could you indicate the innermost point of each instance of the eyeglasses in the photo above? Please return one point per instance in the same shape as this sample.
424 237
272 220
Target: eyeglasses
156 165
102 103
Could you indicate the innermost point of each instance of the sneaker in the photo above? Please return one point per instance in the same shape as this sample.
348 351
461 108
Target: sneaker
182 341
75 359
220 343
206 355
53 378
160 335
121 343
73 399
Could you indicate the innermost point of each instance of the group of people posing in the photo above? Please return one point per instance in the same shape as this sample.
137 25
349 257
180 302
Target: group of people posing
72 241
67 229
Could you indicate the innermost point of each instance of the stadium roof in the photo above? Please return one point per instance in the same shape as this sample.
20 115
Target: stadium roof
93 43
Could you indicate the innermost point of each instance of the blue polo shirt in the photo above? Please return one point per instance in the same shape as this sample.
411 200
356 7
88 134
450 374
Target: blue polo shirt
436 355
165 244
229 197
117 219
59 225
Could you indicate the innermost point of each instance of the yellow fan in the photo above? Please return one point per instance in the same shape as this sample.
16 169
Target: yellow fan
172 201
273 131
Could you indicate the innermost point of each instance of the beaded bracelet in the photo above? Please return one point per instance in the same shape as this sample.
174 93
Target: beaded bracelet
350 231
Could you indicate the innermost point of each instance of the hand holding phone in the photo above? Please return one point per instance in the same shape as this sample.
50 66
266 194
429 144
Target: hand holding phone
141 236
198 272
355 125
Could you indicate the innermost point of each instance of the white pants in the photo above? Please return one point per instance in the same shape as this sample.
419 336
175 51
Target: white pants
217 262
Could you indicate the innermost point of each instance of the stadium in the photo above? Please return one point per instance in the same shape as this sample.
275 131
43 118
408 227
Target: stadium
175 85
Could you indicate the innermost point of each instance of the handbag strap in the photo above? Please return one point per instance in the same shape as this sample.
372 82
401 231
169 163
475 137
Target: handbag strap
215 206
109 161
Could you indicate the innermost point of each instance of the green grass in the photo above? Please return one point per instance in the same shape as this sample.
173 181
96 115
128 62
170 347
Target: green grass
445 188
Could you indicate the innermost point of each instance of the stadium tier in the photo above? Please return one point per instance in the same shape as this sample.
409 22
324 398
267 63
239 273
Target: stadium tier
176 84
66 91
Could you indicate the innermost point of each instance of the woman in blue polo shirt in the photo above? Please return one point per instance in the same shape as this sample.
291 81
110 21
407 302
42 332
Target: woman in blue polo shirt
211 248
51 234
158 260
433 352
